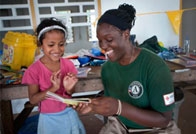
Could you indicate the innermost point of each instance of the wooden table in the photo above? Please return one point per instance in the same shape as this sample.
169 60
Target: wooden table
90 83
11 92
183 77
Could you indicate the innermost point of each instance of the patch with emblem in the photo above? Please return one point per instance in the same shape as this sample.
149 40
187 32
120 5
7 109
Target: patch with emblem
169 98
135 89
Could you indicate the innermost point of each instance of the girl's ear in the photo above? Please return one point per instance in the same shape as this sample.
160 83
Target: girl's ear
39 44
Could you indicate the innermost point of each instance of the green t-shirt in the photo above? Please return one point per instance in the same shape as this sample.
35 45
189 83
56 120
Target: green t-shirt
144 83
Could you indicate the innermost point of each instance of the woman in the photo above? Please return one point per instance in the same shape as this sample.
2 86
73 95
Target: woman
137 83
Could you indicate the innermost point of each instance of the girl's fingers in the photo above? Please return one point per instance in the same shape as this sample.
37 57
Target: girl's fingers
71 74
52 77
58 72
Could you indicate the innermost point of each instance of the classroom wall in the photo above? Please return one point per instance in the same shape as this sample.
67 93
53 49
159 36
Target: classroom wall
145 27
150 24
154 21
188 22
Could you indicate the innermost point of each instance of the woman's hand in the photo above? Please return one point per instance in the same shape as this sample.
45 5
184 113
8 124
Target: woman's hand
102 105
69 82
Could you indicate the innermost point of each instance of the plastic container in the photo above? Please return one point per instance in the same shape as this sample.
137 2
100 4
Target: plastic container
95 50
83 60
186 45
18 50
179 99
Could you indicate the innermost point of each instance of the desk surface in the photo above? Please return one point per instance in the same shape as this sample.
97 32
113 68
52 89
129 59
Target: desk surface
182 74
174 66
92 82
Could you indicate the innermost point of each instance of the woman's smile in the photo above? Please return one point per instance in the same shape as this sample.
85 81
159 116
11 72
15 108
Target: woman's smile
109 54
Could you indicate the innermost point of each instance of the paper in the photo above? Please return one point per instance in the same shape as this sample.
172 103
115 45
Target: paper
83 72
75 101
88 93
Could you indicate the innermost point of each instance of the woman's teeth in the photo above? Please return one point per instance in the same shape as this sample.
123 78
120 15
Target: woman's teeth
107 54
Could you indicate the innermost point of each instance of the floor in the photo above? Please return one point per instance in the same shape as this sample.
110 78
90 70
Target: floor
186 117
187 113
92 123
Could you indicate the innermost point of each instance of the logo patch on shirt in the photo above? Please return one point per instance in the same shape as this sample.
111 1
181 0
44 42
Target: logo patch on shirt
169 98
135 89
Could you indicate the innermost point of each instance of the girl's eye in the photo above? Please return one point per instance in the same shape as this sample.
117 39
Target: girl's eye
50 45
62 44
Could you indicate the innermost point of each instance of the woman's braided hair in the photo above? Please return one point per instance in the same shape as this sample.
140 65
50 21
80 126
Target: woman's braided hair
122 18
129 16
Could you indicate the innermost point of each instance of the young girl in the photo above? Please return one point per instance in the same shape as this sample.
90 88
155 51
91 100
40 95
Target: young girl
55 74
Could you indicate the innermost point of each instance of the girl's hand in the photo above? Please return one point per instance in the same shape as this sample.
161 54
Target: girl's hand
56 80
83 108
69 82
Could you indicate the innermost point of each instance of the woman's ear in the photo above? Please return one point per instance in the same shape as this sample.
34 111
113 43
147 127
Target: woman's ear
127 34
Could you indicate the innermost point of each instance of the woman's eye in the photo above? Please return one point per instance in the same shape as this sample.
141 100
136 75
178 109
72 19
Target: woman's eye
110 40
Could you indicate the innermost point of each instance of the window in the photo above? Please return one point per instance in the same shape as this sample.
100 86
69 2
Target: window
76 14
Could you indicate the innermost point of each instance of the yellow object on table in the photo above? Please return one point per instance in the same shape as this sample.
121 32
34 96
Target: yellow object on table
18 49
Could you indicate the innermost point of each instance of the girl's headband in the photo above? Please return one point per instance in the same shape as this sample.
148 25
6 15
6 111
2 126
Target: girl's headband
46 29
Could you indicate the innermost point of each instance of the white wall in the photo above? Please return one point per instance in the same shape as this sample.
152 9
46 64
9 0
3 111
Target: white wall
150 24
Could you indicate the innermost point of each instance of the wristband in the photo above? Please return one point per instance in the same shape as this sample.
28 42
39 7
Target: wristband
119 108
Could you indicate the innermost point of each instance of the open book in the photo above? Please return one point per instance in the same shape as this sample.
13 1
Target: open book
72 101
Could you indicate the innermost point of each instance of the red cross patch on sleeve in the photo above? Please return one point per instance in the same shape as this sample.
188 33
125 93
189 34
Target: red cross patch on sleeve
169 98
